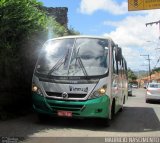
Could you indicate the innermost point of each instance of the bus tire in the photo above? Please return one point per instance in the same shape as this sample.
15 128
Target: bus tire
121 109
113 110
147 101
124 101
42 117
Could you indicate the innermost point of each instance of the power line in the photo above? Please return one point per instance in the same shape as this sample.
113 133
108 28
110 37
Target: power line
155 22
157 48
151 23
157 62
149 67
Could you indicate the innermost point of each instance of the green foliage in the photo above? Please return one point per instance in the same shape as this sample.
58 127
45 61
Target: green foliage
21 18
131 75
24 27
156 70
72 31
23 30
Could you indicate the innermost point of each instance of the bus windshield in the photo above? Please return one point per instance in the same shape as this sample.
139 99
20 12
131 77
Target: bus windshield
74 57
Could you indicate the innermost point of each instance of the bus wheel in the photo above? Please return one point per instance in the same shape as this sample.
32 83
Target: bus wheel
121 109
42 117
147 101
113 109
124 101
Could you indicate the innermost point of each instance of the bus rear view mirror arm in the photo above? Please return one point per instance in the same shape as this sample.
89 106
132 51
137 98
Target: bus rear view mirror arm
118 53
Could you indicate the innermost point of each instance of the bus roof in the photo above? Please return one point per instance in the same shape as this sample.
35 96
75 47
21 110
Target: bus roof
82 36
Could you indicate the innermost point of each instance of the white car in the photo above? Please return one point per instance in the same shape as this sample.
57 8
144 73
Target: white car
134 86
153 92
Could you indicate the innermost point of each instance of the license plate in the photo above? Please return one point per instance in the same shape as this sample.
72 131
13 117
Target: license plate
65 113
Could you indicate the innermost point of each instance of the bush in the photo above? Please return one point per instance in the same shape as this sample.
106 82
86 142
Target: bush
23 29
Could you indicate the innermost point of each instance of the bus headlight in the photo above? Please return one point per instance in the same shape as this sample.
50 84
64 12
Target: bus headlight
36 89
100 92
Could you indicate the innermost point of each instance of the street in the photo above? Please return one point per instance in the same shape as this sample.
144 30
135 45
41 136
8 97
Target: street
138 119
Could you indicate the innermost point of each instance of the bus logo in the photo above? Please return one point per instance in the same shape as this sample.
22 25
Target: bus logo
64 95
71 88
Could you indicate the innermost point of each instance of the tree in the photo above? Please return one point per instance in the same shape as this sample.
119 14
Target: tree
23 29
72 31
156 70
131 76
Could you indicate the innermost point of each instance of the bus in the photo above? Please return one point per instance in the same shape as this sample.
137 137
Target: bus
80 77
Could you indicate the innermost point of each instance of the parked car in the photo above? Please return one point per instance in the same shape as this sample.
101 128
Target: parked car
145 86
129 90
153 92
134 85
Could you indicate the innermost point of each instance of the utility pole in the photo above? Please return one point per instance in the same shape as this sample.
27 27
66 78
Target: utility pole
149 67
155 22
157 62
156 49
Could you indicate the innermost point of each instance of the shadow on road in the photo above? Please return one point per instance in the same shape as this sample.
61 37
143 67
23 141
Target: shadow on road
132 119
136 119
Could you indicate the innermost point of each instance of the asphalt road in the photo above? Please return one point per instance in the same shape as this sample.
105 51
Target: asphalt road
138 119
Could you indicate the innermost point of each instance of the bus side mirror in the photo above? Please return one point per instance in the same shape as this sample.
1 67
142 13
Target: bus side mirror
118 53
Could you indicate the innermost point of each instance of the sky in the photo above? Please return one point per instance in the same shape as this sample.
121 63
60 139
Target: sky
126 28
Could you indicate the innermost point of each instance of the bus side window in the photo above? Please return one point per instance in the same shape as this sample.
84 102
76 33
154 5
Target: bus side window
119 67
126 68
115 63
123 65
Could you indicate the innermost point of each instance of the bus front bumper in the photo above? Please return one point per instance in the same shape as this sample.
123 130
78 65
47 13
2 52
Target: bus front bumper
94 108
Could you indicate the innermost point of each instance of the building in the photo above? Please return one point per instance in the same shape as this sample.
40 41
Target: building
144 80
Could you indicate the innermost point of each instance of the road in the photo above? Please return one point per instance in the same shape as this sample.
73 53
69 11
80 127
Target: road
138 119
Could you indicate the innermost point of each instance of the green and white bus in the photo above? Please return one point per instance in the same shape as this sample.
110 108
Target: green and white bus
80 77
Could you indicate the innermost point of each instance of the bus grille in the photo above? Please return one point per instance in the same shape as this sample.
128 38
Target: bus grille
70 95
66 107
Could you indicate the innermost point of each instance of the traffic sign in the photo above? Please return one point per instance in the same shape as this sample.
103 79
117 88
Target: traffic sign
134 5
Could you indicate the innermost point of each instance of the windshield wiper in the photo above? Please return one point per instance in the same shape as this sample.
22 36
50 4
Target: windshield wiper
82 66
81 63
57 65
